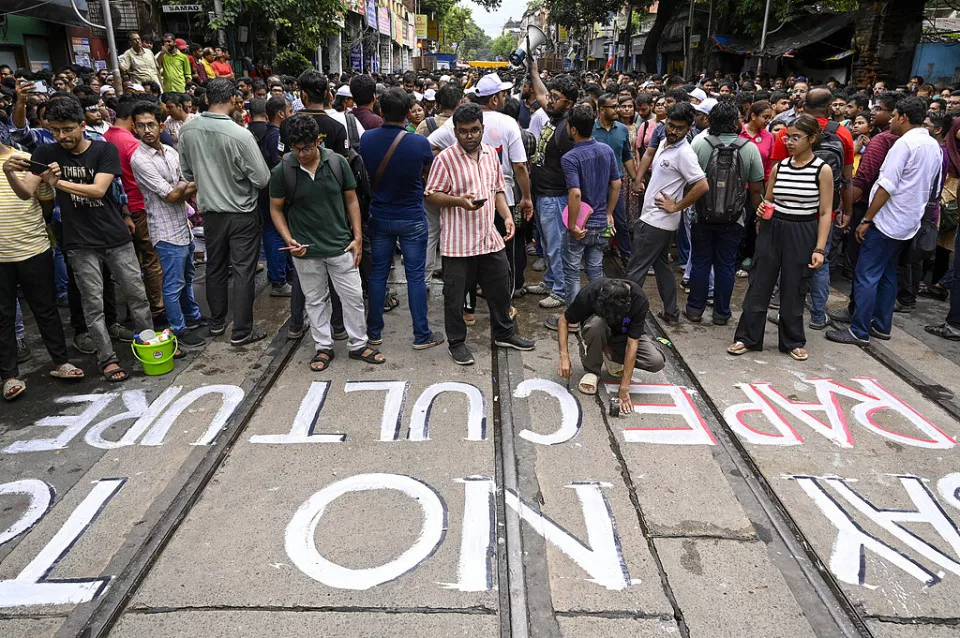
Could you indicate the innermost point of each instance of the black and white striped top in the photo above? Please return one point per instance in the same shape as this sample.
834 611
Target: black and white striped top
797 190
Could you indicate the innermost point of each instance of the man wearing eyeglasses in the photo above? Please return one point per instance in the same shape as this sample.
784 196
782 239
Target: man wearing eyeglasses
156 168
609 130
225 162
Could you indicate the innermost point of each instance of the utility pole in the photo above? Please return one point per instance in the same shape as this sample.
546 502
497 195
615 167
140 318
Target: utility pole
688 58
221 34
763 37
112 45
627 39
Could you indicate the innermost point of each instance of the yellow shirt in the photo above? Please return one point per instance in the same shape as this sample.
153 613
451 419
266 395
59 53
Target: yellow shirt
208 69
23 232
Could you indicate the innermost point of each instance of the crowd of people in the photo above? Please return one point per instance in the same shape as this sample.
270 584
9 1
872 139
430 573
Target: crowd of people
326 177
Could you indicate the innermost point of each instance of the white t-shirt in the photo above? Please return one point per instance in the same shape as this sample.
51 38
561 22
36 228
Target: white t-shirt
499 131
673 169
537 121
342 118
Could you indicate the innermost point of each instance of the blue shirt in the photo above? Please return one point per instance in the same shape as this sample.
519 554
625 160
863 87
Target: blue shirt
399 195
591 167
617 138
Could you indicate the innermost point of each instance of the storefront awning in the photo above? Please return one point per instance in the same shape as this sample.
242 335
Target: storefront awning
59 11
798 34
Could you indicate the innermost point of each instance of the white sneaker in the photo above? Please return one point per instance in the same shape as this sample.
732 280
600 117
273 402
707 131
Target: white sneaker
552 301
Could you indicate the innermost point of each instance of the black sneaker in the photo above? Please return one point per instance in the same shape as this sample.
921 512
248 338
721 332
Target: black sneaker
435 340
691 316
190 339
193 324
256 334
461 355
517 343
216 331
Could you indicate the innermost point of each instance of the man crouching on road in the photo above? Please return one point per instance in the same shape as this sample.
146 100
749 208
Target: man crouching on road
611 313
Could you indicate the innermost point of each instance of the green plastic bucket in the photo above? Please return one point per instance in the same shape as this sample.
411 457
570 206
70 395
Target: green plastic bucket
156 359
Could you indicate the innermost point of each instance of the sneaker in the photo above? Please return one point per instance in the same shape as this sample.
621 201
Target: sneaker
540 264
216 330
883 336
283 290
461 355
720 321
256 334
742 274
904 308
847 337
84 343
841 315
120 333
531 248
818 325
190 339
435 340
193 324
553 301
692 316
340 335
23 351
671 321
553 323
517 343
538 289
775 301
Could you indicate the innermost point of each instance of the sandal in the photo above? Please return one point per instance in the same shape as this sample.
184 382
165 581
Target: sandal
323 358
799 354
111 375
513 313
944 331
179 354
12 388
737 349
390 303
67 371
588 383
368 355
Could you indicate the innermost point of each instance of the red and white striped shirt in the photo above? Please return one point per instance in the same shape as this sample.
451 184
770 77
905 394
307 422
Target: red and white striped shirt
466 233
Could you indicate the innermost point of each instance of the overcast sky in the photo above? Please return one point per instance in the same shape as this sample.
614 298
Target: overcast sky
492 22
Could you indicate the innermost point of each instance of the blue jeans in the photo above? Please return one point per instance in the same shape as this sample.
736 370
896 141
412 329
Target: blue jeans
713 246
279 262
820 290
550 228
683 239
177 265
590 248
60 271
412 235
876 283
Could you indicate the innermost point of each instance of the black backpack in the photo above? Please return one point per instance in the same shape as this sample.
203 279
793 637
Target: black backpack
353 134
431 124
726 175
830 150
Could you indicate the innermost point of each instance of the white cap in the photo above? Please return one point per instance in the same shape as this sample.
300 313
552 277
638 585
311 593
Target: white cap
344 91
491 85
700 94
105 88
430 95
417 96
136 86
706 106
444 78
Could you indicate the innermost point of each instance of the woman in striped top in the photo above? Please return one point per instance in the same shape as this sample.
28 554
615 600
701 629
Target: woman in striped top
790 245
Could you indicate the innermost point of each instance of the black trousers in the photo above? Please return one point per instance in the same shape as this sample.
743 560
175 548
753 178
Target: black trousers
232 239
784 249
492 272
853 250
35 278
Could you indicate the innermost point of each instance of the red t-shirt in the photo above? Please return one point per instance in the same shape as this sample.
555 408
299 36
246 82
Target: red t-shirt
780 150
223 69
126 143
764 142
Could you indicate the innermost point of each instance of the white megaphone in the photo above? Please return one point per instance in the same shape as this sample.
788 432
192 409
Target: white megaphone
534 38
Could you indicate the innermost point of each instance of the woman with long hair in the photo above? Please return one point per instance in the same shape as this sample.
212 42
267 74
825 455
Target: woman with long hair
626 109
791 244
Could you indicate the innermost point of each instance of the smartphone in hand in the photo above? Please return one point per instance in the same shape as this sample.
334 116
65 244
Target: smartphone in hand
480 202
37 168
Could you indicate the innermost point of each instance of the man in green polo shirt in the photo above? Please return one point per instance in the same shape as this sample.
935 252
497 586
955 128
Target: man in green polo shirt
310 201
174 65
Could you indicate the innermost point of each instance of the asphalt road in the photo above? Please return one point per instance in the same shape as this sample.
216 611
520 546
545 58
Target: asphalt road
243 495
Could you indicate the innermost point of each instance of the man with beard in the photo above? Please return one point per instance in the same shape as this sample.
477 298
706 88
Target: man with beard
610 131
549 184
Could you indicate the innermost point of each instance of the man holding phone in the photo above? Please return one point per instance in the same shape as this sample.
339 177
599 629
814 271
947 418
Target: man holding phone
466 182
174 65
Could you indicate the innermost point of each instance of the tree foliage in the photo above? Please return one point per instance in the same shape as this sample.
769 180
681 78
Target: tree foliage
300 24
504 46
571 13
462 35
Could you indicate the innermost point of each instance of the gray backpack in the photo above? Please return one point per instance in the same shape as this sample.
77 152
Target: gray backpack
726 175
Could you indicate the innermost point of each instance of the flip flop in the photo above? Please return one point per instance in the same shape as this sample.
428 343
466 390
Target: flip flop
390 303
799 355
12 388
737 349
67 371
109 376
588 383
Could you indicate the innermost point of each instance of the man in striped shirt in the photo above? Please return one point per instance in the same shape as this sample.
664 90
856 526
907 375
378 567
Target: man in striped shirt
466 182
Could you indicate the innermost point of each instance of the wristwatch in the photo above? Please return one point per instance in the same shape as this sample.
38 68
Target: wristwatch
868 222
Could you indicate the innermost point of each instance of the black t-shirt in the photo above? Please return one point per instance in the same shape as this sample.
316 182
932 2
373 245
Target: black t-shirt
332 133
87 223
582 308
548 180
